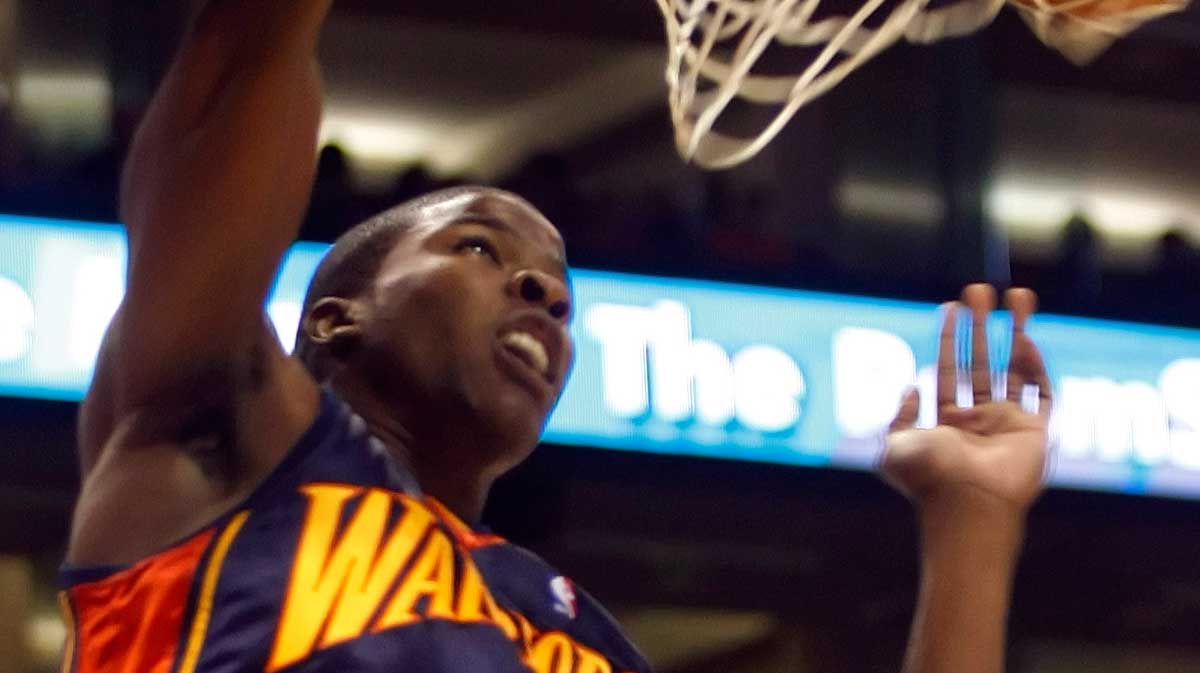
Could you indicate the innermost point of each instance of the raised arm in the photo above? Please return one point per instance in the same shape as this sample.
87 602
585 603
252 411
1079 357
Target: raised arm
971 478
213 192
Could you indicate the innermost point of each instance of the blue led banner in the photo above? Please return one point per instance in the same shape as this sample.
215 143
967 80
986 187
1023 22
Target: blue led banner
697 368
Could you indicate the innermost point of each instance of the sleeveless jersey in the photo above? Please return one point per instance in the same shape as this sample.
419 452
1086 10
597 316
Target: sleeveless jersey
337 562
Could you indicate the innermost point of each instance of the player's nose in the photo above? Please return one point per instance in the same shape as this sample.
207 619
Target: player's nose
542 289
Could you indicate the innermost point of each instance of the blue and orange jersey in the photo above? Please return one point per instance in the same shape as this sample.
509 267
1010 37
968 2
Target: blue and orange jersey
337 562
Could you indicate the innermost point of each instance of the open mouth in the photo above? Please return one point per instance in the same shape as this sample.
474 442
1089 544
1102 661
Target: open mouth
531 351
534 349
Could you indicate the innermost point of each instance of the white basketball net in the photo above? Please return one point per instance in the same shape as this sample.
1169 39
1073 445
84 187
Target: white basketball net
703 84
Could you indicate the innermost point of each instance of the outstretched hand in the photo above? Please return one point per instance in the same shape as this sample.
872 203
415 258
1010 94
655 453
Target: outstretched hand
995 448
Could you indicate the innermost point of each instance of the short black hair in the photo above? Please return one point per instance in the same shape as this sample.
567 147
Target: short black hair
352 264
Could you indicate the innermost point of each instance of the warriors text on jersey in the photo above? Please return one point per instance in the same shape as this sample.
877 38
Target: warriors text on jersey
337 562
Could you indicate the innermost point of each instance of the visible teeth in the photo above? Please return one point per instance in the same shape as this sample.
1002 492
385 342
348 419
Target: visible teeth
531 348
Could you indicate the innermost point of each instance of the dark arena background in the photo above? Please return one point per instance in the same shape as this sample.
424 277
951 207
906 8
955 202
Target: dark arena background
737 529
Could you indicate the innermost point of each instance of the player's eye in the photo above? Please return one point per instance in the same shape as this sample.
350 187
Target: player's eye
479 246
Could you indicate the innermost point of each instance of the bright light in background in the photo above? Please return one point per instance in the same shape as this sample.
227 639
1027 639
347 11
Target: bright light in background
46 90
45 635
285 316
768 387
486 139
873 370
1034 212
1127 165
381 141
890 201
1020 206
99 287
377 138
66 106
1180 383
16 329
622 331
1026 204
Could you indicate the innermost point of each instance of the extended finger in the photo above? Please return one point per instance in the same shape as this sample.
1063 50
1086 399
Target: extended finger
1020 303
906 418
947 363
981 298
1026 365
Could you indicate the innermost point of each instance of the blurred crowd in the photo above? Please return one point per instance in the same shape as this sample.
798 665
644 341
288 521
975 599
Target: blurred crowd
715 230
717 227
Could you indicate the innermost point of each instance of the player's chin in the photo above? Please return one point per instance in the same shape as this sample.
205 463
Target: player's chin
520 419
514 426
512 412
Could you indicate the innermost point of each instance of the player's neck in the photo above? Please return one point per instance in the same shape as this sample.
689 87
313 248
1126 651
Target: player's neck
443 468
460 494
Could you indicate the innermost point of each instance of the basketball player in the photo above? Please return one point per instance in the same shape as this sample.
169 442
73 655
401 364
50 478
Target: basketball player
243 510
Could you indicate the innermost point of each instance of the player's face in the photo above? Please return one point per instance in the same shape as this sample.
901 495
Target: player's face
469 320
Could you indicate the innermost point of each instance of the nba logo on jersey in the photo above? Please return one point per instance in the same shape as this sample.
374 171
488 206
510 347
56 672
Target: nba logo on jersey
564 596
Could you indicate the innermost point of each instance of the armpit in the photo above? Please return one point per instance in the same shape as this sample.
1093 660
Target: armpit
199 419
199 412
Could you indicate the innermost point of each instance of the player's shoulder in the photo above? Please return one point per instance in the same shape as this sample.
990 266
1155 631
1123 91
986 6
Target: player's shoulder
136 503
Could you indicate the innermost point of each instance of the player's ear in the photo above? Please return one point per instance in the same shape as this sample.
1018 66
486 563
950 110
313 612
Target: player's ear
335 325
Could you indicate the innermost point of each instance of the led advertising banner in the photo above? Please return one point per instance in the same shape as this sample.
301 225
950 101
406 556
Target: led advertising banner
697 368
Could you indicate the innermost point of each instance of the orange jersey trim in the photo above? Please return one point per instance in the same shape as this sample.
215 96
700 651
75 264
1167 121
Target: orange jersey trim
131 621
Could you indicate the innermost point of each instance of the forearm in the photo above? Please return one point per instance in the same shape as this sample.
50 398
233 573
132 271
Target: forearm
217 182
234 122
270 25
266 45
969 551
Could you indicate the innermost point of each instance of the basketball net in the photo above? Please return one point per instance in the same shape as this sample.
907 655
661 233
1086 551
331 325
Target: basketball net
713 46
